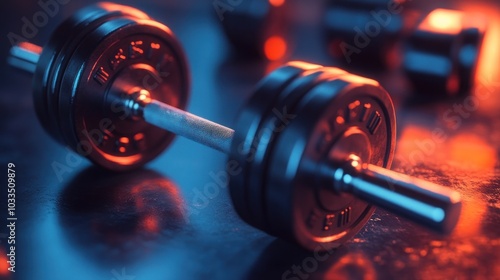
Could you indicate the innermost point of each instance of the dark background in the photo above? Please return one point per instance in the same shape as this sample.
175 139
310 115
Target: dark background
151 224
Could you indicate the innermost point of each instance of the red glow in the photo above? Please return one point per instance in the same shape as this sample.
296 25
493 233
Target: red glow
138 137
32 48
453 84
4 266
275 48
150 224
276 3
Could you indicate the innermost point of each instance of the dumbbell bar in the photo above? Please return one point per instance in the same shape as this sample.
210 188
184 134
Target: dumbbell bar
299 176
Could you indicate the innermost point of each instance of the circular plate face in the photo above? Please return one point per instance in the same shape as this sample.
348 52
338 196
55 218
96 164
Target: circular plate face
300 206
272 124
57 52
130 55
249 120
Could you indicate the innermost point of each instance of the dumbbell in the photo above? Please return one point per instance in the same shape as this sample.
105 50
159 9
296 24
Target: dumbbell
308 156
255 28
438 50
444 50
366 31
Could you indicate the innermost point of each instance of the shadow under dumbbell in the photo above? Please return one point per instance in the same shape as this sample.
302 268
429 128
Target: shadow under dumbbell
115 217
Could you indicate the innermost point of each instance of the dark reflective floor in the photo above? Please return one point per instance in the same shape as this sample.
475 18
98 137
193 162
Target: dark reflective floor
157 223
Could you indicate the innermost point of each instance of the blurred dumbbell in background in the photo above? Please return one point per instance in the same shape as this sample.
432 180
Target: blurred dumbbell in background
255 28
437 49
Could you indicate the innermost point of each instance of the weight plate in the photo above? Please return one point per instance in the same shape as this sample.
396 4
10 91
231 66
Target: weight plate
300 209
246 127
57 52
130 55
327 75
271 125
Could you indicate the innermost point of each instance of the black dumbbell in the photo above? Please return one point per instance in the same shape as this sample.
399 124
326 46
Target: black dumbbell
366 32
442 53
308 154
255 28
439 50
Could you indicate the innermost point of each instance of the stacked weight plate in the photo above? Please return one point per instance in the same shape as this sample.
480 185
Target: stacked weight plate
301 116
95 57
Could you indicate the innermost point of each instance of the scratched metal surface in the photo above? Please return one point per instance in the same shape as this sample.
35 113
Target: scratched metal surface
152 224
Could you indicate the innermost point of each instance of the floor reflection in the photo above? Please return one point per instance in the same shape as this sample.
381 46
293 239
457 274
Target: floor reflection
280 260
465 160
120 215
354 265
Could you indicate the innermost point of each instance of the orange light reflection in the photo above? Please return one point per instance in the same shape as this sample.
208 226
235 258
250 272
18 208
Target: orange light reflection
443 21
151 223
473 160
125 9
472 151
352 266
464 150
